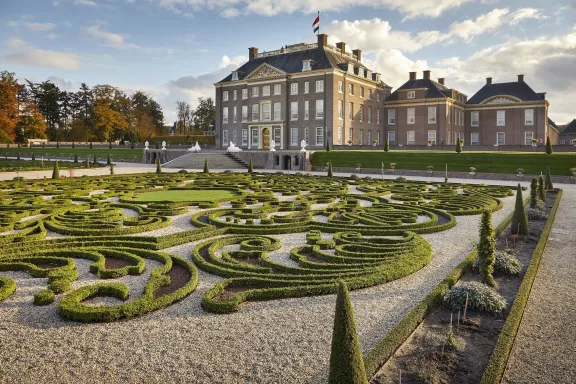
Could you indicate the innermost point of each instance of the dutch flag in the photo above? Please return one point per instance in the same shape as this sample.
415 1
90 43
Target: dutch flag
316 24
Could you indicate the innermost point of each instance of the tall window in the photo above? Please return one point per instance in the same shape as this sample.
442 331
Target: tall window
234 137
392 137
474 118
294 110
448 115
340 90
307 135
411 94
277 111
255 91
266 90
370 94
474 138
225 137
293 136
350 134
378 137
255 137
234 75
234 116
378 116
244 93
361 113
361 137
500 138
319 136
340 109
377 96
431 115
362 92
319 109
350 111
225 115
235 93
306 87
411 137
391 116
500 118
255 112
319 85
266 115
528 117
306 110
528 136
244 114
369 114
278 136
411 115
351 89
306 65
339 136
245 137
369 138
294 88
277 89
225 96
432 137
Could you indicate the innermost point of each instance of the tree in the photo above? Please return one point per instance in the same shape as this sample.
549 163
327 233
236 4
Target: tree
31 123
158 166
184 114
458 146
346 363
204 114
8 106
541 190
330 172
533 192
487 249
206 169
250 167
386 145
56 171
47 96
548 146
519 225
548 184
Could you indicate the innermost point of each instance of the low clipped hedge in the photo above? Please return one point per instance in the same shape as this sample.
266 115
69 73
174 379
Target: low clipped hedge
7 288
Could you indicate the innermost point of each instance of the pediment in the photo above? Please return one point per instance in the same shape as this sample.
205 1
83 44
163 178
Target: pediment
501 99
264 72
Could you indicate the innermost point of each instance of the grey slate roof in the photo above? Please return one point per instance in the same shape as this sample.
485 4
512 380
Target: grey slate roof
570 128
518 89
435 90
552 123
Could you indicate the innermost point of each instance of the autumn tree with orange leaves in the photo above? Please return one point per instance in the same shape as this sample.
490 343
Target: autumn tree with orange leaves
8 106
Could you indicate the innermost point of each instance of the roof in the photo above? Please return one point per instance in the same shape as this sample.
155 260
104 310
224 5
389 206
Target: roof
517 89
570 128
292 62
435 90
552 123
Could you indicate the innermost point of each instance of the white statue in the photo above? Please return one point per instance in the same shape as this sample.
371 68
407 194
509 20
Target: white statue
272 146
233 148
303 145
195 148
146 144
164 145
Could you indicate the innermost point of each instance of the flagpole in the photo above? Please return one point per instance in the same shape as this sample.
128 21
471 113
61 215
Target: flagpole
318 33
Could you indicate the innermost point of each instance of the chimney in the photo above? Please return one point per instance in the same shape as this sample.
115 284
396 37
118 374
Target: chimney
342 46
441 81
488 80
412 75
426 74
520 78
252 53
322 40
358 53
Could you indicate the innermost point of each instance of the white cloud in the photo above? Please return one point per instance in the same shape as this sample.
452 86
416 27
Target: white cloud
235 61
52 36
16 42
56 3
111 38
230 12
89 3
39 27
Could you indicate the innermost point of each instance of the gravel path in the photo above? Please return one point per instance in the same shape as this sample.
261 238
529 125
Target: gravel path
545 347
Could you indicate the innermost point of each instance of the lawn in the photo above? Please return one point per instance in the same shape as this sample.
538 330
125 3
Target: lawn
186 195
126 154
36 165
492 162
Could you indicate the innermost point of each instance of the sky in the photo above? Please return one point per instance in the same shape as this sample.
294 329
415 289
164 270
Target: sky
177 49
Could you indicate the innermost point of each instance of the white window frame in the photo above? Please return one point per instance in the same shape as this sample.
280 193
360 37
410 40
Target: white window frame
503 137
408 120
340 86
234 136
339 136
369 117
370 94
294 88
244 113
224 115
235 94
244 93
234 116
377 115
264 112
392 137
255 134
319 109
361 136
361 92
234 75
350 111
369 137
277 111
378 137
307 135
351 89
306 109
528 122
432 115
293 137
391 117
255 112
266 90
319 86
340 109
319 134
225 96
277 136
361 113
500 122
477 142
526 141
411 94
432 136
408 134
255 92
245 137
225 141
306 87
293 110
350 134
277 89
306 66
377 96
475 122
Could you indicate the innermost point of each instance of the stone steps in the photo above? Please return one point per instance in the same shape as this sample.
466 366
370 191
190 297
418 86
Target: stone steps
196 161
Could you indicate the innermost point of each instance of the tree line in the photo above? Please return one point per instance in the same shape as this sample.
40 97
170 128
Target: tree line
194 121
101 113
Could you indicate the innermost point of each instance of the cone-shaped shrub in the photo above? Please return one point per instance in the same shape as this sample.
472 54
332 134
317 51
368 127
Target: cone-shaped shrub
533 192
109 161
548 146
486 249
111 168
386 146
519 223
90 145
33 156
75 157
458 146
548 179
250 167
158 166
95 162
206 169
18 145
346 364
73 145
56 171
330 173
87 162
328 148
541 190
132 145
110 145
57 144
18 156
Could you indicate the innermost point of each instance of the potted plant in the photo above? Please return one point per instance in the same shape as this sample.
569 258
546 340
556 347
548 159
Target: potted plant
573 170
392 166
472 170
461 142
520 172
429 143
534 142
349 143
358 166
430 168
374 142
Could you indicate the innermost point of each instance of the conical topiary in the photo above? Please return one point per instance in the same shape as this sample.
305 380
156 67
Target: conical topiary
487 249
87 162
57 144
533 192
110 145
330 173
132 145
458 146
75 157
519 223
73 145
18 156
548 183
328 148
541 190
95 162
206 169
108 161
33 156
548 146
250 167
386 146
90 145
158 166
112 168
346 363
56 171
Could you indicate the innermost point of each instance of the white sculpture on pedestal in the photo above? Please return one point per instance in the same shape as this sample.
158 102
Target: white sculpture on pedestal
146 144
195 148
164 145
303 145
272 146
233 148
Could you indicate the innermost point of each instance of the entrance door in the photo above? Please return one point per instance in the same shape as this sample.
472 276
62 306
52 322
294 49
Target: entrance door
287 164
266 138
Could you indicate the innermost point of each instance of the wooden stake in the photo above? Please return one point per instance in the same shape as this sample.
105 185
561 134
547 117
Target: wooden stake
450 320
465 308
400 376
458 326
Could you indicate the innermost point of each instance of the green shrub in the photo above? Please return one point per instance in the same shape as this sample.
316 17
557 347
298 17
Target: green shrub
7 288
549 185
486 249
44 297
505 262
206 169
519 223
480 298
533 192
56 171
548 146
541 190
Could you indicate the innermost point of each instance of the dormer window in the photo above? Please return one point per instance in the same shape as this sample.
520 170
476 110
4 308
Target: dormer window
378 77
234 75
306 65
360 71
369 74
351 68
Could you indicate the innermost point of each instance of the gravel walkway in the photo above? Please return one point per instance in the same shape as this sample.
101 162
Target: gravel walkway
545 347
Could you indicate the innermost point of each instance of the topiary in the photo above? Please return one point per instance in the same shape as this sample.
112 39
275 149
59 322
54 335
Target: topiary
486 249
519 225
33 156
90 145
330 172
250 167
112 168
541 190
95 162
75 157
548 146
328 148
346 363
206 169
44 297
386 146
458 146
548 183
56 171
533 192
158 166
109 160
480 298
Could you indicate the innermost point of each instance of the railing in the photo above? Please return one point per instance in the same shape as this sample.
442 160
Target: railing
293 48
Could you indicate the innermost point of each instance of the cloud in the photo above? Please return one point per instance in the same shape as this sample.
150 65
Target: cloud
117 41
15 42
230 12
52 36
111 38
235 61
39 27
88 3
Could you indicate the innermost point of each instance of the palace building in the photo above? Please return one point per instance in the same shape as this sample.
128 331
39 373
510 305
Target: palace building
313 92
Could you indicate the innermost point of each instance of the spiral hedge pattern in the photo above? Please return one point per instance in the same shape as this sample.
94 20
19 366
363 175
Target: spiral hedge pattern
363 231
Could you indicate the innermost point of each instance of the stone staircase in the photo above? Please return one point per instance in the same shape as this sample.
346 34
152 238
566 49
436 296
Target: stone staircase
215 161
